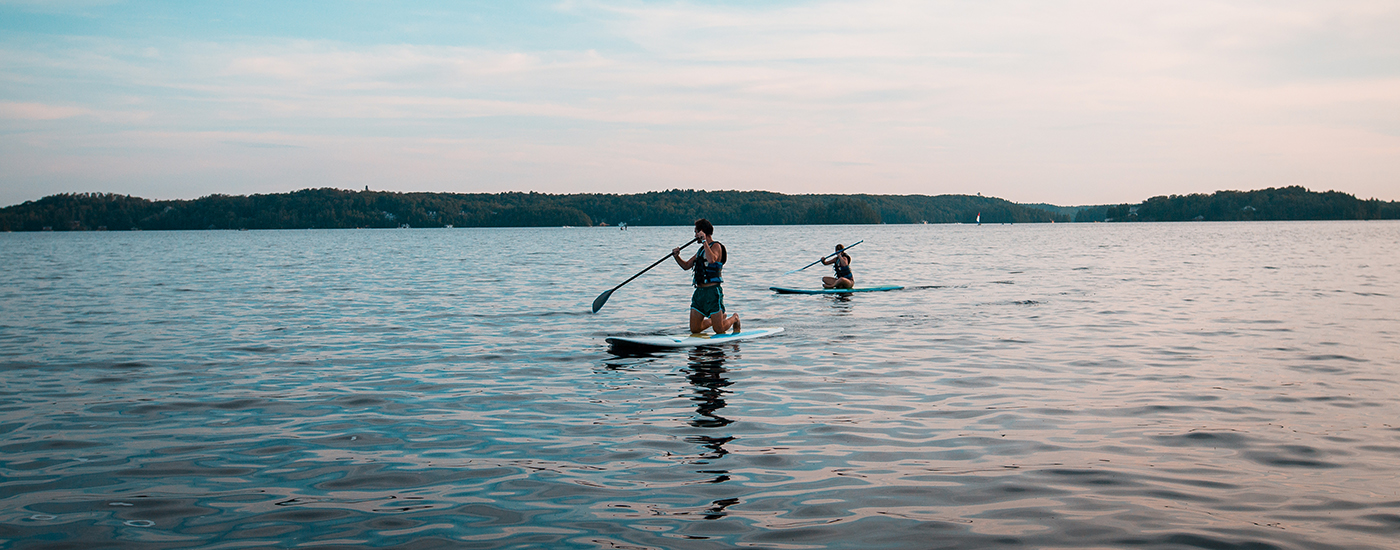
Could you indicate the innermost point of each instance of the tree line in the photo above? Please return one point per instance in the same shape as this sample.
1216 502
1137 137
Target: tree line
337 208
1272 204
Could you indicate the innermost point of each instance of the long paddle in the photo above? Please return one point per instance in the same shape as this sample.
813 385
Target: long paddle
824 258
603 298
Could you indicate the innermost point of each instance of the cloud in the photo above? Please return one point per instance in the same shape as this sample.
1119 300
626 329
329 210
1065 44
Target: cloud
263 145
38 111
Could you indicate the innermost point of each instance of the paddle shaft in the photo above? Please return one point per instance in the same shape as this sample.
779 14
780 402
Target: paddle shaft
825 257
658 262
603 298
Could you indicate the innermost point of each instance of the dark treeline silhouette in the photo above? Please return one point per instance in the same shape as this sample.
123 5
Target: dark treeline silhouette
1283 203
336 208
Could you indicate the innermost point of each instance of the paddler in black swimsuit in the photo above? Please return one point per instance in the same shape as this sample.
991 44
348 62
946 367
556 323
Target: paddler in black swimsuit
842 262
707 304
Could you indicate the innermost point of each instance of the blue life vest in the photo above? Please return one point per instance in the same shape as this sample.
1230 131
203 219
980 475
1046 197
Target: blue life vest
706 272
843 271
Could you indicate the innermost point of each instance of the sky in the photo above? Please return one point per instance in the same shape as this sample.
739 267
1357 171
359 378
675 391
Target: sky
1063 102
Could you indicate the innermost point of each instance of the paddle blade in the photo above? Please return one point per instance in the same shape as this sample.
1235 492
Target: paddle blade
602 299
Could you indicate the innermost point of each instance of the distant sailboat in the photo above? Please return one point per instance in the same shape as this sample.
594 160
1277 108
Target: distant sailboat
979 218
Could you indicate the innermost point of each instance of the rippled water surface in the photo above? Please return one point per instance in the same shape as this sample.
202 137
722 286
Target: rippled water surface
1206 385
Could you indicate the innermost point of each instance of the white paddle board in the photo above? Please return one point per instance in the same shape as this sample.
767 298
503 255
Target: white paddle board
786 290
691 340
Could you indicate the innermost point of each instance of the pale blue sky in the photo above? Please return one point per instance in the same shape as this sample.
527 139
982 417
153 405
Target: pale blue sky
1073 102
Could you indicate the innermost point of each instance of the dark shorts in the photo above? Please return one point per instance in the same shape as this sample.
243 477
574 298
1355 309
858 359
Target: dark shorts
708 300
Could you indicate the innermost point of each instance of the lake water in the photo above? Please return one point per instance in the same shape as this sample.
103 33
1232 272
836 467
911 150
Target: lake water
1192 385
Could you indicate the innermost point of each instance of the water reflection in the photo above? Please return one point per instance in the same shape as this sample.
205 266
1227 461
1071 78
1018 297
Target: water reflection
708 385
841 304
706 374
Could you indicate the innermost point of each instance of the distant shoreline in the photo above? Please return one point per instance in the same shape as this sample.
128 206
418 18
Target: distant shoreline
341 209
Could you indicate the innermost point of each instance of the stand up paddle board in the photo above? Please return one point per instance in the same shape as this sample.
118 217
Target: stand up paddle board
690 340
785 290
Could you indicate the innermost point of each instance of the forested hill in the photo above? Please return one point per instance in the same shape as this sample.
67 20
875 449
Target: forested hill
335 208
1282 203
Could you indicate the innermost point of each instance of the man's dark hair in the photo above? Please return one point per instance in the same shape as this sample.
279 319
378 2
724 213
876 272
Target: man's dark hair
703 224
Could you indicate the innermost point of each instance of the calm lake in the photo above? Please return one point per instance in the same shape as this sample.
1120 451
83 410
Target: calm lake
1171 385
